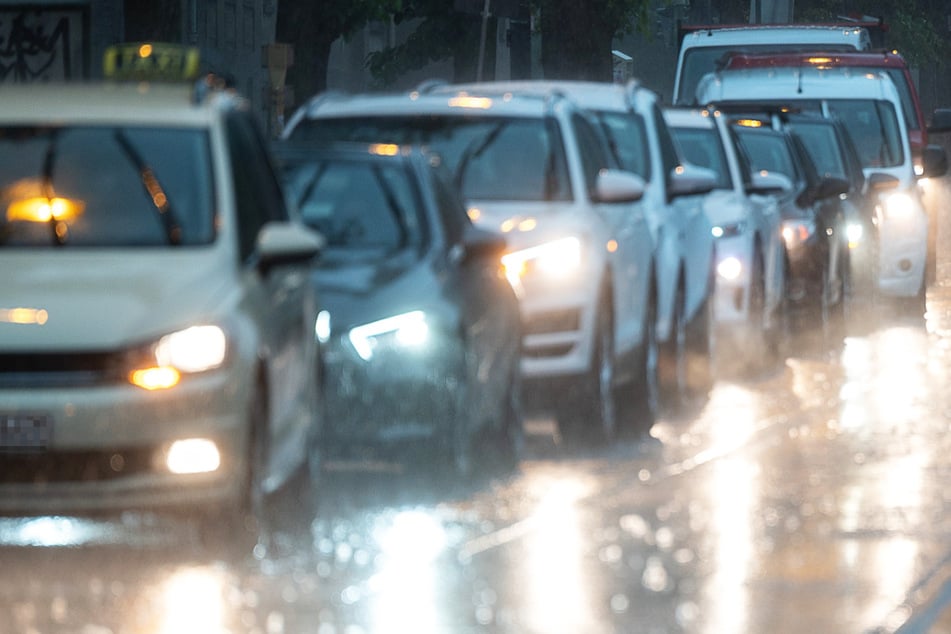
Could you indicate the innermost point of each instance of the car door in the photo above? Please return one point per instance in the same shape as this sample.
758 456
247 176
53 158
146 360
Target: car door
279 300
628 239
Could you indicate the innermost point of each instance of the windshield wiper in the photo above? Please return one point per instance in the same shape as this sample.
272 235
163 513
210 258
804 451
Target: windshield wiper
154 189
476 150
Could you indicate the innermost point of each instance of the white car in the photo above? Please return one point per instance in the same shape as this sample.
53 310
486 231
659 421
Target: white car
747 225
870 107
156 314
537 169
631 117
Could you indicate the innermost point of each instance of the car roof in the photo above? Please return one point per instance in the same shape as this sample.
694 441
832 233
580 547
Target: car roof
776 84
107 102
774 33
690 117
415 102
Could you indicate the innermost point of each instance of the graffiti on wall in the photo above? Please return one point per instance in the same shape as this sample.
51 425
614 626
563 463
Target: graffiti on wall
40 44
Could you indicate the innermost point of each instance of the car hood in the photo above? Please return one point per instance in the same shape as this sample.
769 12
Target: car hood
526 224
355 289
76 300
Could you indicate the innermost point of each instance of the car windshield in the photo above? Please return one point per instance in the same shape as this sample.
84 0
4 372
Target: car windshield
492 158
703 147
358 206
768 152
104 186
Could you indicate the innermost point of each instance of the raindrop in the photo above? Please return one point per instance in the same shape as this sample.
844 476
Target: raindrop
683 556
635 525
289 594
343 552
259 551
687 613
58 609
327 628
620 604
655 575
611 554
644 475
323 569
484 615
274 623
362 558
859 458
350 595
664 538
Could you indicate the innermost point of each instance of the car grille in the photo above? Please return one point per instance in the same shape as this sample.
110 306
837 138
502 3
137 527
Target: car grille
73 466
41 370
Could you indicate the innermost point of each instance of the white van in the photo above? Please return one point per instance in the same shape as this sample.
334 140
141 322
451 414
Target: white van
701 50
870 107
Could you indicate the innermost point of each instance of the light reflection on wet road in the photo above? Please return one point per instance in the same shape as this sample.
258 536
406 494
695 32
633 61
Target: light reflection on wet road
811 498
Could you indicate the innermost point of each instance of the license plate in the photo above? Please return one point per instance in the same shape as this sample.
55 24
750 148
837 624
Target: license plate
25 431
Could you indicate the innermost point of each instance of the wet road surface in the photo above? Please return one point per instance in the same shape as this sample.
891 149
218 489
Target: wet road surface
810 498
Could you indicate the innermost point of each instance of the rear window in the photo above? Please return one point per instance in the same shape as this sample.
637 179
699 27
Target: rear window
491 158
104 186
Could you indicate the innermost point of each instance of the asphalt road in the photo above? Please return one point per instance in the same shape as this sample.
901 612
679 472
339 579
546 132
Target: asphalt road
810 498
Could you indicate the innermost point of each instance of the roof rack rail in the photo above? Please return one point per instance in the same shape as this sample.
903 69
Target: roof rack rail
427 85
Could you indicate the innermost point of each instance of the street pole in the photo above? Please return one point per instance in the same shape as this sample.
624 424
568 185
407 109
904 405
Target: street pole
485 22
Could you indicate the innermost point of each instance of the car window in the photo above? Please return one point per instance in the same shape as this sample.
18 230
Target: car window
356 205
702 146
492 158
105 186
628 140
874 128
257 191
767 151
822 145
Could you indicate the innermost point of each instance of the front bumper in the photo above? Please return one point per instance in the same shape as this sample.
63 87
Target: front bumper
108 446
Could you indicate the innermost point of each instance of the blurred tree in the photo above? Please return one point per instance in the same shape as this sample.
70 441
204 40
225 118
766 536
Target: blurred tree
312 26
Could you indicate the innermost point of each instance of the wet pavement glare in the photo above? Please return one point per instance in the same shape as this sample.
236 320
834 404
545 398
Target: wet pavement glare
810 497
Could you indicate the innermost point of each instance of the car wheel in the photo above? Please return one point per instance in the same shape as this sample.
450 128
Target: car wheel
673 360
645 401
700 349
588 414
512 429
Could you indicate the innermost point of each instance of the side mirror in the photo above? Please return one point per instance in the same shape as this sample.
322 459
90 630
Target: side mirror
285 242
481 243
934 161
765 183
940 121
830 186
880 181
686 179
617 186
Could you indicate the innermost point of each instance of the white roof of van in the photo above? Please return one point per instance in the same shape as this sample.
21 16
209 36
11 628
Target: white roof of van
771 84
774 34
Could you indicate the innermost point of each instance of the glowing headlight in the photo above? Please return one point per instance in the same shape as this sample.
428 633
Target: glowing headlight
730 268
322 327
854 231
898 206
187 351
193 455
408 330
558 258
795 232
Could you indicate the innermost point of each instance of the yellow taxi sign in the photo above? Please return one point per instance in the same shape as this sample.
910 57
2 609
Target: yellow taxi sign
151 61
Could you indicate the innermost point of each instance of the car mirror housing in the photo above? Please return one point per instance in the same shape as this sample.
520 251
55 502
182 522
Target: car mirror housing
934 161
617 186
687 179
764 183
287 242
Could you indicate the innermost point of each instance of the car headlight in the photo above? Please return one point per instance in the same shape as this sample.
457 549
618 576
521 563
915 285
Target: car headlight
795 232
407 330
898 206
557 259
729 268
192 350
728 229
854 232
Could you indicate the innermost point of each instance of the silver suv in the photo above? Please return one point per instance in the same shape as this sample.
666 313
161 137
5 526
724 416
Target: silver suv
538 169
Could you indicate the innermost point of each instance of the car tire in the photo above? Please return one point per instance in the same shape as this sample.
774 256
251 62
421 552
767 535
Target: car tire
700 349
673 361
512 429
645 397
588 413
